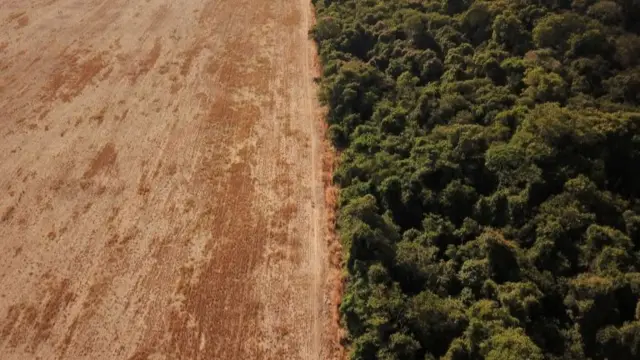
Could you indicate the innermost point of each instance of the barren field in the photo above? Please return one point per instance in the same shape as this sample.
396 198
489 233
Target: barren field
161 180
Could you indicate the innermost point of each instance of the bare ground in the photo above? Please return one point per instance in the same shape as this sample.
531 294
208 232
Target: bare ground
161 179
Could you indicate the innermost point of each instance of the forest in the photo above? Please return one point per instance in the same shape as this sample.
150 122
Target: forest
489 175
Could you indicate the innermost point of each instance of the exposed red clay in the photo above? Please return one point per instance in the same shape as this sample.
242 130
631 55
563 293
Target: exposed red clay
166 182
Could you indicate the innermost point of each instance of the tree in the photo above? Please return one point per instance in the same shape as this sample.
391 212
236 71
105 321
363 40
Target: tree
436 321
607 12
591 42
545 86
554 30
370 235
628 50
523 299
512 344
510 32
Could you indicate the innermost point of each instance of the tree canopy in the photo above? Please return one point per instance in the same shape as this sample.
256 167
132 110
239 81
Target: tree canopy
489 175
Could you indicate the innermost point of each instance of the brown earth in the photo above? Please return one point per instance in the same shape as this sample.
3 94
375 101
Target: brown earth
161 172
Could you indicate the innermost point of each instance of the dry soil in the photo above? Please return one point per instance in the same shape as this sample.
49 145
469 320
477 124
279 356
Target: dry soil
161 192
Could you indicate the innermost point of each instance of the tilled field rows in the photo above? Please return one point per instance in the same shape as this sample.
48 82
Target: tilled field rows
160 169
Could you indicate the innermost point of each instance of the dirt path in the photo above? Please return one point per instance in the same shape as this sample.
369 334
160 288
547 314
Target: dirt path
161 181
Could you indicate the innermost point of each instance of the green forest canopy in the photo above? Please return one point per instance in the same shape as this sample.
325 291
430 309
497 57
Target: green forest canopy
489 175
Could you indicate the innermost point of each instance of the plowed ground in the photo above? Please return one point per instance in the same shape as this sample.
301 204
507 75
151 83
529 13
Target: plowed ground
161 181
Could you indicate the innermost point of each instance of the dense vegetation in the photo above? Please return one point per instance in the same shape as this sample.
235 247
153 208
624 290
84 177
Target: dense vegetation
489 175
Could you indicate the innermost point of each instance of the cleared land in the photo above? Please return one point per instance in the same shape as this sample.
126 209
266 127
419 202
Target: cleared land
161 178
